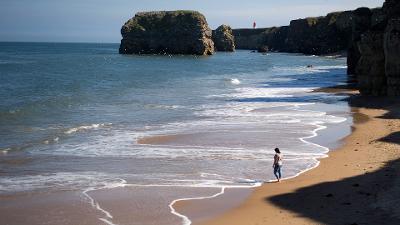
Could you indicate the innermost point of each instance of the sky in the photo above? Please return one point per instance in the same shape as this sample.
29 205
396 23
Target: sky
101 20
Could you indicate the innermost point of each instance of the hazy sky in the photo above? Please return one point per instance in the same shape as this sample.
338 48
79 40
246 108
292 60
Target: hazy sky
101 20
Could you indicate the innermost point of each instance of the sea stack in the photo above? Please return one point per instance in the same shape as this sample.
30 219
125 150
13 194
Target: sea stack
167 32
223 39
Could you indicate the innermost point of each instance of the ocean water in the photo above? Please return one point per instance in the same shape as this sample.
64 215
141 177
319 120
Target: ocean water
82 118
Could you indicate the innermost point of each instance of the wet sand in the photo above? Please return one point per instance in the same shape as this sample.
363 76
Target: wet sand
39 208
156 140
357 184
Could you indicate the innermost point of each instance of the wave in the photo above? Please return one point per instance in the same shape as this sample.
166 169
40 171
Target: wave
59 181
306 69
250 92
234 81
86 127
5 62
89 182
4 151
158 106
51 141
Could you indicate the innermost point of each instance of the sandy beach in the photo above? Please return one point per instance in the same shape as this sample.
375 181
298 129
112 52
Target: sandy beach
357 184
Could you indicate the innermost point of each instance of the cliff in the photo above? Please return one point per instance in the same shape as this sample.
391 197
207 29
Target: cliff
223 39
167 32
249 38
313 35
371 38
378 66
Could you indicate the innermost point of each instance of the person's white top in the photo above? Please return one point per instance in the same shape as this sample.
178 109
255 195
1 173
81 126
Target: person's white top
279 159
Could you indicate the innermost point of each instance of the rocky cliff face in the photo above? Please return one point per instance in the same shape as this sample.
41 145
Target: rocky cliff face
360 22
249 38
275 38
392 56
370 36
320 35
167 32
314 35
391 9
223 39
378 66
370 68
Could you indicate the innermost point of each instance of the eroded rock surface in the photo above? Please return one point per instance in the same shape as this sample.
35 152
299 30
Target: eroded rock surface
167 32
223 39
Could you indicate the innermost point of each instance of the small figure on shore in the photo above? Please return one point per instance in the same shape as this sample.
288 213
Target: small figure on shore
254 25
277 164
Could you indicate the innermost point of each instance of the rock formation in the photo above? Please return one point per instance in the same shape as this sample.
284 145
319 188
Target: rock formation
318 35
223 39
314 35
263 49
360 22
391 45
378 66
167 32
370 68
275 38
249 38
371 38
392 56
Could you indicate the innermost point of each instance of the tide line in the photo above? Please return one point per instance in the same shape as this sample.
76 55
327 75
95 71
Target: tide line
97 206
185 219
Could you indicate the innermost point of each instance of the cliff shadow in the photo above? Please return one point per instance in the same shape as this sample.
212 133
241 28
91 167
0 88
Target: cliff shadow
391 104
393 138
351 201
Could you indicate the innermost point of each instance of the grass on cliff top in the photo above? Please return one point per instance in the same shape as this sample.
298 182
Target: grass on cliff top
161 19
170 13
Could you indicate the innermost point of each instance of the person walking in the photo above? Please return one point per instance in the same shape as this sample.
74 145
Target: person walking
254 25
277 164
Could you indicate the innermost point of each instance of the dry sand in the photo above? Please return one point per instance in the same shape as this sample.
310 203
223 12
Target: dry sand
358 184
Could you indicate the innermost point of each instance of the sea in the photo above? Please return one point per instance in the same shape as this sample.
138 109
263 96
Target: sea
89 136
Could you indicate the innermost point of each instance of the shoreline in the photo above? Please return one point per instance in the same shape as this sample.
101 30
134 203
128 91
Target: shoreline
269 204
193 210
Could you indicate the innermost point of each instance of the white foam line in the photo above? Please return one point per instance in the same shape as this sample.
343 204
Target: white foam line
185 219
298 174
97 206
303 139
191 186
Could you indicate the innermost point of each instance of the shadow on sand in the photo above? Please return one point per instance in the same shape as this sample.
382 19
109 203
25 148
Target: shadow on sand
344 202
371 198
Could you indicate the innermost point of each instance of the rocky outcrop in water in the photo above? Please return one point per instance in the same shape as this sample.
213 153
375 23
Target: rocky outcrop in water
263 49
167 32
223 39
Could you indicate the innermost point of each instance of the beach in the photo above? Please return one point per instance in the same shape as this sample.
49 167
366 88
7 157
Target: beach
137 146
357 184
